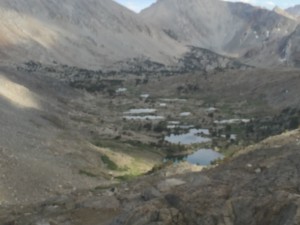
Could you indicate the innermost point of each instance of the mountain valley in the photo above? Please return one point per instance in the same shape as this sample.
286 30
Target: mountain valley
103 111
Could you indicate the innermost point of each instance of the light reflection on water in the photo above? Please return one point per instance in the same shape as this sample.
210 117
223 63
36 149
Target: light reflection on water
194 136
202 157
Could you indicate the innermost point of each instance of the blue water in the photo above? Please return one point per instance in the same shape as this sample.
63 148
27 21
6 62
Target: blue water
194 136
140 111
202 157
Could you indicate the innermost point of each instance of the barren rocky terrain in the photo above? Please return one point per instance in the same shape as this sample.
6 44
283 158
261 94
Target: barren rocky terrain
90 34
176 115
295 10
261 180
235 29
50 32
79 155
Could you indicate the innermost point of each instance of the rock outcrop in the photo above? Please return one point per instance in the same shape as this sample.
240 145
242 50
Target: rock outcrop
259 185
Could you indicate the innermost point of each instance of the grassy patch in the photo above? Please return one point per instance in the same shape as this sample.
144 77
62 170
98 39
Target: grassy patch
227 109
238 129
109 163
132 146
126 177
138 157
159 167
127 146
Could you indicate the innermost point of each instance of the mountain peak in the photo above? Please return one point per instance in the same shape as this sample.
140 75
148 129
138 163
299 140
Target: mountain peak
224 27
57 31
295 10
282 12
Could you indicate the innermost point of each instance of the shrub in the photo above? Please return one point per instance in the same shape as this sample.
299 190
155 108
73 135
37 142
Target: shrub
294 123
109 163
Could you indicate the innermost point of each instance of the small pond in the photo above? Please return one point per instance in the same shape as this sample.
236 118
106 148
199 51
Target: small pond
194 136
231 137
211 109
145 96
140 111
147 117
173 122
183 127
202 157
185 114
121 90
232 121
173 100
163 104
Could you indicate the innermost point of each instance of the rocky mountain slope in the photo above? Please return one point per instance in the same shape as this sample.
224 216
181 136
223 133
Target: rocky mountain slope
39 154
52 32
71 73
289 49
284 13
295 10
198 23
236 29
87 34
258 186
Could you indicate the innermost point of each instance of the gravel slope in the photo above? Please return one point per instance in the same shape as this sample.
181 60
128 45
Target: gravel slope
87 34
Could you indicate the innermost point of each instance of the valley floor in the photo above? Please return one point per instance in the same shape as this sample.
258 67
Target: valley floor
69 156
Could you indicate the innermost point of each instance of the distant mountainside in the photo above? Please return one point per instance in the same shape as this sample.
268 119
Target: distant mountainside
96 34
284 13
80 33
295 10
229 28
202 23
290 49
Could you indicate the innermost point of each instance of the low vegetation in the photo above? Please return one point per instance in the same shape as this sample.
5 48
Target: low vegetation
109 163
